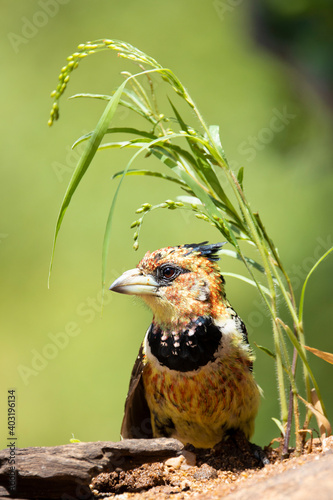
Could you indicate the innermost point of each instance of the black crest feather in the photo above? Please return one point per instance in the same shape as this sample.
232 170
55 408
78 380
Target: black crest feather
208 251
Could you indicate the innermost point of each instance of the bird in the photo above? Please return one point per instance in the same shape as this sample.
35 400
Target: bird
193 377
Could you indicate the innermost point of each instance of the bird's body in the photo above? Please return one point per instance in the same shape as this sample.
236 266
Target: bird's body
193 377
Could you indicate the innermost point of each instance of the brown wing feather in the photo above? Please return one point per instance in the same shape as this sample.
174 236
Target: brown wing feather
136 422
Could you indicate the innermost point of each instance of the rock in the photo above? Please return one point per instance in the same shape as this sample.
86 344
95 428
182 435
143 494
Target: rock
52 472
312 480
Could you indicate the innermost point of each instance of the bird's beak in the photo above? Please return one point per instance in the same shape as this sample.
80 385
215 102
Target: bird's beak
133 282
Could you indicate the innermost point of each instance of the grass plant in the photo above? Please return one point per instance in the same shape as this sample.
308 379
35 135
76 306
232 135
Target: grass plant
192 157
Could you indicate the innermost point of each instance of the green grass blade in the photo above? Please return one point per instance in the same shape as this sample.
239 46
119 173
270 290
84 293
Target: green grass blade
186 154
235 255
265 350
150 173
279 425
301 302
139 90
117 130
170 163
194 185
270 354
214 131
176 163
200 141
205 168
135 143
211 177
139 103
136 105
82 139
250 282
131 130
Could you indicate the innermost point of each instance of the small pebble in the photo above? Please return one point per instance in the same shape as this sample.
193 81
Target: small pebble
327 444
175 462
205 472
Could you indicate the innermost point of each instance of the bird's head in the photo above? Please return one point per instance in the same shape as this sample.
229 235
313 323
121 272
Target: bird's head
178 283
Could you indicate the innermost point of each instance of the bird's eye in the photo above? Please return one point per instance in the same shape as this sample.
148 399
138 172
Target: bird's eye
168 272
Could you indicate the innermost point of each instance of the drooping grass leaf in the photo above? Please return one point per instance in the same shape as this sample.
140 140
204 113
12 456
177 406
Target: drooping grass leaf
117 130
150 173
270 354
326 356
265 350
321 418
131 130
86 158
133 106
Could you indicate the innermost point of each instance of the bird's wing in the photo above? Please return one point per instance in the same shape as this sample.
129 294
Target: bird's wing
240 327
136 422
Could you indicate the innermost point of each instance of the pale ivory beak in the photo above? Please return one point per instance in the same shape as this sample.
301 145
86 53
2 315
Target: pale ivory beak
133 282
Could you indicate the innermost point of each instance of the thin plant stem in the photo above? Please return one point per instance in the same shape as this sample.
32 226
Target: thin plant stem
264 254
290 410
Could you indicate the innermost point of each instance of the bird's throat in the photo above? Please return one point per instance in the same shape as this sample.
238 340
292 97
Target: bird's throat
185 349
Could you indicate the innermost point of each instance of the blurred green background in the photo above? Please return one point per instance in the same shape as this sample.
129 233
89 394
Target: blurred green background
69 364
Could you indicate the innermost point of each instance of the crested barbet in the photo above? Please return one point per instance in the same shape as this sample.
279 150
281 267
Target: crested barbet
192 379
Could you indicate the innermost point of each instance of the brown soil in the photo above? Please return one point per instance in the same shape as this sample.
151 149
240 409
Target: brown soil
224 471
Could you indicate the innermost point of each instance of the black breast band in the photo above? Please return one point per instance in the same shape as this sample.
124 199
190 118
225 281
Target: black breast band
194 347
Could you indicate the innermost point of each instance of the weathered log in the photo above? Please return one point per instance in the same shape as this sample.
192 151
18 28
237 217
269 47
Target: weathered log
65 472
